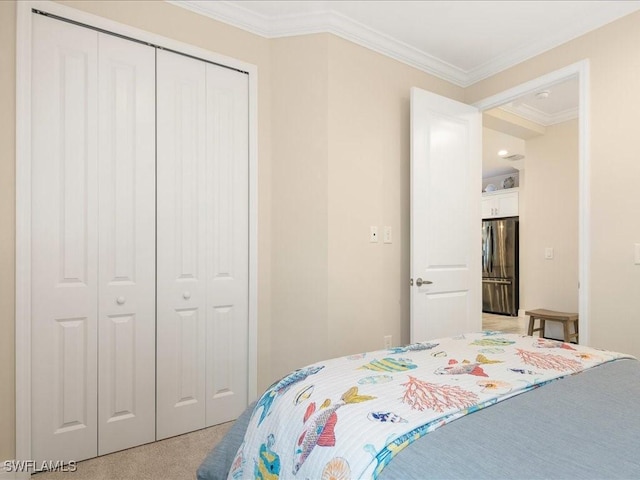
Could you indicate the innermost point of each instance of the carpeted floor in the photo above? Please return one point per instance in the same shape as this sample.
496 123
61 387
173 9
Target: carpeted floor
176 458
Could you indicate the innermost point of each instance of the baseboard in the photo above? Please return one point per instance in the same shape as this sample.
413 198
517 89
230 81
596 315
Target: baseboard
6 473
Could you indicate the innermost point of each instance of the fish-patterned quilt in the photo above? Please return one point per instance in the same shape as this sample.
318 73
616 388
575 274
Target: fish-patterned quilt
347 417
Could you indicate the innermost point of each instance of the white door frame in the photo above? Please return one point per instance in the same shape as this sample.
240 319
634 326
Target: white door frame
23 192
581 71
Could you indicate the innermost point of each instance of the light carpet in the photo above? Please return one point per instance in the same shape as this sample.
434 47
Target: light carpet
175 458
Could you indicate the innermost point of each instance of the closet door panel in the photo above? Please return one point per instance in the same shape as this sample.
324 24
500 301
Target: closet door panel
127 244
64 239
227 162
181 244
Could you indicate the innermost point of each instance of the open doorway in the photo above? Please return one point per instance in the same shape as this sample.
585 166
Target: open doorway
542 127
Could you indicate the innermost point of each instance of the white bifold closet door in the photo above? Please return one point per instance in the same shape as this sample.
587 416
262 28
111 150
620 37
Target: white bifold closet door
202 244
127 276
92 242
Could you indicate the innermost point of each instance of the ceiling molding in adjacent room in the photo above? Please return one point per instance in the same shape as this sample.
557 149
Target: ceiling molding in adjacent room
540 117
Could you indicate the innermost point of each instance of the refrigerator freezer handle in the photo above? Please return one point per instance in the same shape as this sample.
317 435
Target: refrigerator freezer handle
484 253
490 249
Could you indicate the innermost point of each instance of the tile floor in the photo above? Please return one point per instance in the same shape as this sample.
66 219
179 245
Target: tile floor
505 323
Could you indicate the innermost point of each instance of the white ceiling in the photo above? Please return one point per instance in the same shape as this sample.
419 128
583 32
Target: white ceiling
459 41
560 105
492 164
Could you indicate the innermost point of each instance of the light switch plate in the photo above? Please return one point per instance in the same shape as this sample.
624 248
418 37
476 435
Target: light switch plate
387 234
548 253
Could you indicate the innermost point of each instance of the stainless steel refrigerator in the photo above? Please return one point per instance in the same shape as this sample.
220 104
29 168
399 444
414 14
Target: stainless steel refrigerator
500 266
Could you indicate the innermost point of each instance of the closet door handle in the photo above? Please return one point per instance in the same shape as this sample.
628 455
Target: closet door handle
120 300
186 295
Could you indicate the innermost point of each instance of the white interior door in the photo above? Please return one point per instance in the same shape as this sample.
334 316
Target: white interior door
127 297
445 217
64 234
227 160
181 244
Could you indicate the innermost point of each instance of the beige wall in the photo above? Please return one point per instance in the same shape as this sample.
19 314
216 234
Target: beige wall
7 230
340 162
368 184
299 202
549 218
615 75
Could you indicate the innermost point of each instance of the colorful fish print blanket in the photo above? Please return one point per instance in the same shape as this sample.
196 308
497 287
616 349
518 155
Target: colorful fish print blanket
347 417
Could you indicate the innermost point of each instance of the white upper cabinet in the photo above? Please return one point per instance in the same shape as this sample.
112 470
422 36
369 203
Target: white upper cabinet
501 203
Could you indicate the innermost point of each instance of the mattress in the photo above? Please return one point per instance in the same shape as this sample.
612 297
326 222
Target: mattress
585 425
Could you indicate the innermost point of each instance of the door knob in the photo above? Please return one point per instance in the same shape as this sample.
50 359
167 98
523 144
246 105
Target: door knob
120 300
420 282
186 295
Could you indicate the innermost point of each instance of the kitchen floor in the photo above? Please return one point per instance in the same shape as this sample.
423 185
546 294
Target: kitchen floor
505 323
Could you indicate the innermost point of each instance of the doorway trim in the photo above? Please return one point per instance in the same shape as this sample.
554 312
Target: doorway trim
581 71
24 18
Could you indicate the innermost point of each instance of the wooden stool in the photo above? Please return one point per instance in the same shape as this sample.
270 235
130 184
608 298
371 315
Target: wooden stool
543 315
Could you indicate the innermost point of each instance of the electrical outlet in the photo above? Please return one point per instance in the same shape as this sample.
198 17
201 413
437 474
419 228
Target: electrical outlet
373 234
387 341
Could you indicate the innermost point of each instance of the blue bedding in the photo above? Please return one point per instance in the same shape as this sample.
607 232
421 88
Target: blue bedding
583 426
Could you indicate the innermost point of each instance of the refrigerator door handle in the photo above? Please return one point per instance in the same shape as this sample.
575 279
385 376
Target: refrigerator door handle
490 248
484 251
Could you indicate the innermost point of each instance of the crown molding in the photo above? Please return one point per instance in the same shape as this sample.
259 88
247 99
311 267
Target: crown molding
329 21
540 117
325 22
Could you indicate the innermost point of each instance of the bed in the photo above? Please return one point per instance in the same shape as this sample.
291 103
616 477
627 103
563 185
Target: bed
577 423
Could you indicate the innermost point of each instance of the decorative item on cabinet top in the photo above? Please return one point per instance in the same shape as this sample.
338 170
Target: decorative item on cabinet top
508 182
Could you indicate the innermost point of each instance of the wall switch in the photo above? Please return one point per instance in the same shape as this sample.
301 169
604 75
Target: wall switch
548 253
387 341
387 235
636 254
373 234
